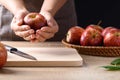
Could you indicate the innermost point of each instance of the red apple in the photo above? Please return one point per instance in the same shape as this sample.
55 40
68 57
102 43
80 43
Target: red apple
91 37
106 30
3 55
35 20
97 27
74 34
112 38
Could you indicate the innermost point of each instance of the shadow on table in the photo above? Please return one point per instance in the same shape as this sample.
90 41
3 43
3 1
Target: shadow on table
6 71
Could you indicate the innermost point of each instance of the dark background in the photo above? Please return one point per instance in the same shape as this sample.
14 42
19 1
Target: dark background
92 11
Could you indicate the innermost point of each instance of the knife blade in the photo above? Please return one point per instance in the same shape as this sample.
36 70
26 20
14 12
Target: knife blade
14 50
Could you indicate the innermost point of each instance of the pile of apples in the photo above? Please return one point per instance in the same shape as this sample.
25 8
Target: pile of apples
93 35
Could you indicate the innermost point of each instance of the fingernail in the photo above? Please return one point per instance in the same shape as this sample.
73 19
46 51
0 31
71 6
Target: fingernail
32 31
32 37
26 28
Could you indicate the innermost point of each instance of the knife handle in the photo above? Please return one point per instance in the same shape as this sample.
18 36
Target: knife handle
10 48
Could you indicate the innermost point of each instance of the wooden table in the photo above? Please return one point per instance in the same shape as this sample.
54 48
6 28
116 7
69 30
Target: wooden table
91 70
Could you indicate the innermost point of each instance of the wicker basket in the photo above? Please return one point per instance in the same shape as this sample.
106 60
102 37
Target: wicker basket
95 50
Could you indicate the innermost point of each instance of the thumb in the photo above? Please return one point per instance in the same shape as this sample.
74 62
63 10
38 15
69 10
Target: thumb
51 22
20 17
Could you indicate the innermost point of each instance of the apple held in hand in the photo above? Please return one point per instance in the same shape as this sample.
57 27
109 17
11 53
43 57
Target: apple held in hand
35 20
97 27
91 37
3 55
112 38
74 34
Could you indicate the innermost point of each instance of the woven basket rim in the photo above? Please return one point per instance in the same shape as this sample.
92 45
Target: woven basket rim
94 50
78 46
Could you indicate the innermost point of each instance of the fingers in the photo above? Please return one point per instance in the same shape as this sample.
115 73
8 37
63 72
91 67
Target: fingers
51 23
21 30
29 34
15 27
48 31
41 39
30 37
24 33
42 36
45 35
18 18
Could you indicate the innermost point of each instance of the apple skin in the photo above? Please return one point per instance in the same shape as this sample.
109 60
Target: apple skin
107 29
35 20
97 27
112 38
3 55
74 34
91 37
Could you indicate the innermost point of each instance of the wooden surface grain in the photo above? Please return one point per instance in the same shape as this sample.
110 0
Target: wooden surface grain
91 69
45 56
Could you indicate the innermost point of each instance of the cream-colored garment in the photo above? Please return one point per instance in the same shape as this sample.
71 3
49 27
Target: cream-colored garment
65 17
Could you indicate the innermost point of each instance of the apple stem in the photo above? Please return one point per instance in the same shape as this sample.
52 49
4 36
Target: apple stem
99 22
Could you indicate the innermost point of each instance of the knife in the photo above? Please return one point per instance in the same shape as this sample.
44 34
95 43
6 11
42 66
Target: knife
19 53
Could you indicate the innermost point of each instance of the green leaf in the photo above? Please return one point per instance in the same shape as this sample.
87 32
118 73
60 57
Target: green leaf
116 62
112 68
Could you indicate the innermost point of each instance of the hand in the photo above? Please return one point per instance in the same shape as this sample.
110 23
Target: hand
21 30
46 32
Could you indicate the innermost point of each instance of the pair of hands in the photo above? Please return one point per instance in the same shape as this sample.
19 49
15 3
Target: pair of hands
40 35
